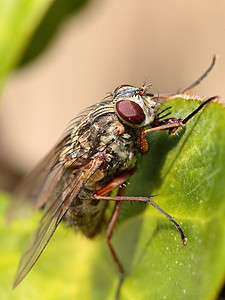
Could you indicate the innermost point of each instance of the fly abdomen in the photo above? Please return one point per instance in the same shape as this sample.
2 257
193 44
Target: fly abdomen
86 214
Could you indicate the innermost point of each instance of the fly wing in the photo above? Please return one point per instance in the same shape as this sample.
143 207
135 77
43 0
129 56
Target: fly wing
57 205
35 189
32 192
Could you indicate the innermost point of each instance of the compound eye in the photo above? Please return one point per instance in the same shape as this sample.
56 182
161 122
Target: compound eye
130 112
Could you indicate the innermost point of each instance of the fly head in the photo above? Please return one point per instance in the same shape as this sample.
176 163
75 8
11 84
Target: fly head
135 106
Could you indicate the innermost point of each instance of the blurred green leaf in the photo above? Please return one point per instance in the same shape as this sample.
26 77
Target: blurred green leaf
18 20
27 27
187 170
44 33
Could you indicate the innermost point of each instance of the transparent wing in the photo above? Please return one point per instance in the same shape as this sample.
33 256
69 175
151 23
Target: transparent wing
56 207
81 139
32 192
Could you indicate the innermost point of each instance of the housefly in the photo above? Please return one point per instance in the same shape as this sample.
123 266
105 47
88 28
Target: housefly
97 154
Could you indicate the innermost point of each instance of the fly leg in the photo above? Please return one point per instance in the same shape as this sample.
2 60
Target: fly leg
111 226
114 217
117 182
109 232
195 83
172 124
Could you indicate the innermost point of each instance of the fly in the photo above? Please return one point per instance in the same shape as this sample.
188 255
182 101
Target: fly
97 154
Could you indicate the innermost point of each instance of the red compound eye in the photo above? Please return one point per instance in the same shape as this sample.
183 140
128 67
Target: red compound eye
130 112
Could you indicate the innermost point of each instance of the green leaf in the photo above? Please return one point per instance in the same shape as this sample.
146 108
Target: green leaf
186 170
18 20
27 27
58 12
